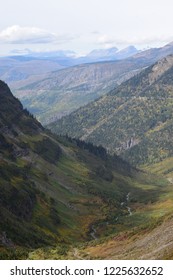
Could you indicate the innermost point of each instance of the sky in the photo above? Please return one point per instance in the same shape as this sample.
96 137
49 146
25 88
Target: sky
84 25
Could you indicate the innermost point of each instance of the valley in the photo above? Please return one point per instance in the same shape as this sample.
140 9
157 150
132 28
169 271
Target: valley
86 139
98 183
53 189
57 192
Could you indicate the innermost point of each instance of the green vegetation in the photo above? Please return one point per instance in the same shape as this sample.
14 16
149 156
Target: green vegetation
55 189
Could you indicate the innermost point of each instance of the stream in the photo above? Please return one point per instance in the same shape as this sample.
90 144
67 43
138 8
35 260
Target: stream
93 232
127 201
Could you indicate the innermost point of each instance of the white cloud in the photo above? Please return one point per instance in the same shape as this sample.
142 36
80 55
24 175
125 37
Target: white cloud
26 35
144 40
105 39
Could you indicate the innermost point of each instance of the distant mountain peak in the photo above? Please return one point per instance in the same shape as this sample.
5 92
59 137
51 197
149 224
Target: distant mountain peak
127 52
103 52
169 45
45 54
112 53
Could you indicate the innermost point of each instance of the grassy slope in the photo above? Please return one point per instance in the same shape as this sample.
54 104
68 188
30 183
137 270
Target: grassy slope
146 234
71 187
153 241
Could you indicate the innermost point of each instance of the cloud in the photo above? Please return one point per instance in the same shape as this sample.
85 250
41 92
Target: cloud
30 35
21 51
105 39
139 40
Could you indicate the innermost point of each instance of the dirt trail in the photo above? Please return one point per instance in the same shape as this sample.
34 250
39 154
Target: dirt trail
76 254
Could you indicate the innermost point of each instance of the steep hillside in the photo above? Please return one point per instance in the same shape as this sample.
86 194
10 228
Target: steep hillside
61 92
134 120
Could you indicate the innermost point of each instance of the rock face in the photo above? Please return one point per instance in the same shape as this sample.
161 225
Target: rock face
5 241
131 143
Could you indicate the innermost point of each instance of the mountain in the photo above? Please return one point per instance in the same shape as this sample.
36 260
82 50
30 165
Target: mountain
54 54
64 91
25 64
102 54
127 52
134 120
111 54
19 69
62 198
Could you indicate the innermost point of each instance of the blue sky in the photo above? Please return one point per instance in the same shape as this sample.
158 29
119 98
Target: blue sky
83 25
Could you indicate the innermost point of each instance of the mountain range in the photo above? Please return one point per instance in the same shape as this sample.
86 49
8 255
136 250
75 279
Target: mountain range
21 67
60 92
111 54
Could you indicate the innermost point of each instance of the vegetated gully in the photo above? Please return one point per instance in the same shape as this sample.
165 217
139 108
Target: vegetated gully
93 232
